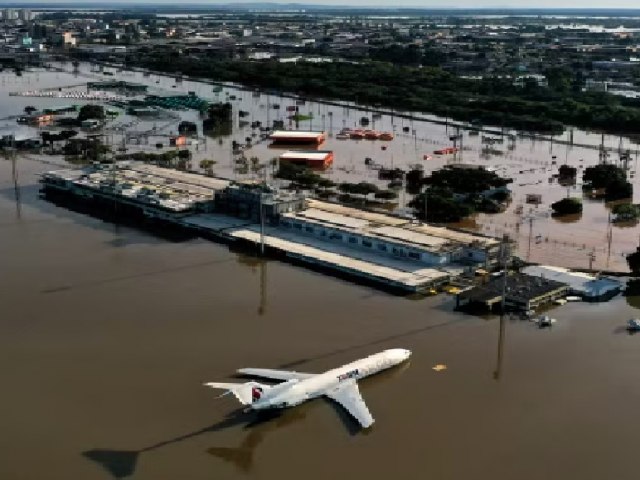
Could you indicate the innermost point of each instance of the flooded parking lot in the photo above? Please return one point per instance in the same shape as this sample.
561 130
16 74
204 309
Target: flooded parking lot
108 332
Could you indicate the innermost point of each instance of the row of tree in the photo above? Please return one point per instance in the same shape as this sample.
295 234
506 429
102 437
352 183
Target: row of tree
492 100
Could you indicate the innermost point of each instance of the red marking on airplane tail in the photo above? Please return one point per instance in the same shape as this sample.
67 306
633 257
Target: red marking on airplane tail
256 393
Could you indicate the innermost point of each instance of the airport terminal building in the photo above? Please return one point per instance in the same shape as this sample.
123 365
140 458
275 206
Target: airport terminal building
389 236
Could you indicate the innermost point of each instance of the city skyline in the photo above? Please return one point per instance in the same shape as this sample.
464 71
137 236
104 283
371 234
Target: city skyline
438 4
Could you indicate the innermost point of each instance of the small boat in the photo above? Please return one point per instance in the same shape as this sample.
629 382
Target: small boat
386 136
356 136
572 298
427 157
383 147
545 321
342 136
633 325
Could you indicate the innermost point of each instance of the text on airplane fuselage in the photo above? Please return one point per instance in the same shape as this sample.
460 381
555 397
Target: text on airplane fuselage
348 375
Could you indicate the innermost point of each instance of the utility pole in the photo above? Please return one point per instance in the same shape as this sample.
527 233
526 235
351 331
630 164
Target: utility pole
592 258
530 237
505 257
14 176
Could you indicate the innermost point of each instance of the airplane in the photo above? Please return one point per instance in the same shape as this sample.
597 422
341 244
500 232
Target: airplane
339 384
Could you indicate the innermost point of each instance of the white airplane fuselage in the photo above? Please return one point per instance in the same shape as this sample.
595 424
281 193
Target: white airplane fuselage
295 392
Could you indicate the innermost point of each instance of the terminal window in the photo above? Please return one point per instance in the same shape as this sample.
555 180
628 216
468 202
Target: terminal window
353 240
382 247
367 243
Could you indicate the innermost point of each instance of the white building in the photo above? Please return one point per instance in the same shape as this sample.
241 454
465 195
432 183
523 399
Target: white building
590 287
9 14
25 15
390 236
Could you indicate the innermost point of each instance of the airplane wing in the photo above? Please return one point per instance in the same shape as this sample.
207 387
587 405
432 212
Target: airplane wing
348 395
274 374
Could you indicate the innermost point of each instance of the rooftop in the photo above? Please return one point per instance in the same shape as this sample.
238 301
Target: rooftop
294 134
387 227
579 282
170 189
309 155
520 288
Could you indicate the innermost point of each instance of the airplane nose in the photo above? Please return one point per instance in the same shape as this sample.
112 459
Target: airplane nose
407 353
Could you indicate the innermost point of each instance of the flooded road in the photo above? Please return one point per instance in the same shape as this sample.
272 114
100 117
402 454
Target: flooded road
107 333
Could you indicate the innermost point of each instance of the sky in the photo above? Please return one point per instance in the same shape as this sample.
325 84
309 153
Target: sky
529 4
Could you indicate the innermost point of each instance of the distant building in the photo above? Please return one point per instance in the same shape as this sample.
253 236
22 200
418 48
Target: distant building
539 80
316 159
64 39
9 14
25 15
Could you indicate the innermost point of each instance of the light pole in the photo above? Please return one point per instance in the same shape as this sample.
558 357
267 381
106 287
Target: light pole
261 224
426 195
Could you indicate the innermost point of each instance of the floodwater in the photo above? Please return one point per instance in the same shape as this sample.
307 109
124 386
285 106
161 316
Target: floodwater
107 333
588 240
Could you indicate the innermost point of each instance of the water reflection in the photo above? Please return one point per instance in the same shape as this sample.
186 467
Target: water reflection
567 218
242 456
16 186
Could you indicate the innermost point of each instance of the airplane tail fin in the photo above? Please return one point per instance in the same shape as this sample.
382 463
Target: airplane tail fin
246 393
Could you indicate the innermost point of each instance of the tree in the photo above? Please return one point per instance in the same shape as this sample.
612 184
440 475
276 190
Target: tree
626 212
633 260
325 183
207 164
441 206
29 109
91 112
365 188
467 180
566 171
567 206
386 195
600 176
618 190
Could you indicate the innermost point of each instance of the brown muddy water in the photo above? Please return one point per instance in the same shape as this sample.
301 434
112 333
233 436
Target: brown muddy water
107 333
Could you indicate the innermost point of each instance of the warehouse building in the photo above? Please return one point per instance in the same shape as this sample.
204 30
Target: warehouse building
390 236
289 137
590 287
316 159
522 293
